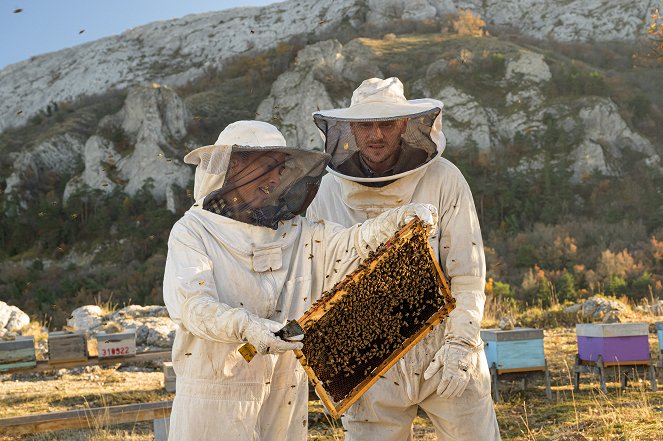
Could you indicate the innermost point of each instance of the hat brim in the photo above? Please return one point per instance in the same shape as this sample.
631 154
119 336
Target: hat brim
193 156
377 110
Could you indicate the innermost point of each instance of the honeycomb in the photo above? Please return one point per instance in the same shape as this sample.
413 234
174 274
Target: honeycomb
368 319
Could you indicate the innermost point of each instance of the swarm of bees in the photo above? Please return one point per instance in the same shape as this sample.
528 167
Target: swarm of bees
388 299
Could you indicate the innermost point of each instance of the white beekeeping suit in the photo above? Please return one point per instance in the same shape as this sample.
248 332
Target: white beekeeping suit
240 263
386 152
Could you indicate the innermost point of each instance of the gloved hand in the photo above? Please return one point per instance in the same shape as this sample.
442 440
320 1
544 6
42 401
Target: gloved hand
456 360
426 212
260 333
206 317
375 231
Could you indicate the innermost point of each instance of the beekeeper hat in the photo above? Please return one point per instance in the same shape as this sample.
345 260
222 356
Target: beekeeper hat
251 136
378 98
247 136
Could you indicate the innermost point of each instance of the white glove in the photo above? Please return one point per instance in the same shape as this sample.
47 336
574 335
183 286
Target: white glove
207 318
426 212
456 360
375 231
260 333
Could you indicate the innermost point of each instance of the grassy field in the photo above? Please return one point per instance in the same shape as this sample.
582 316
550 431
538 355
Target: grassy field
634 414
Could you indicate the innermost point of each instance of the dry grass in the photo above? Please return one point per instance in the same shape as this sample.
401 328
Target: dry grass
24 394
524 415
632 414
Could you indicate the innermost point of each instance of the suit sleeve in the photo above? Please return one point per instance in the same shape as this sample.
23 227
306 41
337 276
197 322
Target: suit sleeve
190 293
461 251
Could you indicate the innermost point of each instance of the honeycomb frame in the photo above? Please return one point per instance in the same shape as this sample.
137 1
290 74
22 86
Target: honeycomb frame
326 305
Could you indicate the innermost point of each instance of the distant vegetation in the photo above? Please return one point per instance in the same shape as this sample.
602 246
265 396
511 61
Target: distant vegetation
95 248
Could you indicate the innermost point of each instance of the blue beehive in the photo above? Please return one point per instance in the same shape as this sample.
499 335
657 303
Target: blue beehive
659 331
518 349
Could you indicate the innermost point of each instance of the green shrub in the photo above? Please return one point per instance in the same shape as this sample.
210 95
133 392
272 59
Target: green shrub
616 286
572 80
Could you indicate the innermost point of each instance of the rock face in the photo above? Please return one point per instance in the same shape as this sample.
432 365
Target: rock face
298 93
59 155
506 323
176 51
12 319
598 308
576 20
606 136
168 52
152 117
465 119
154 328
85 317
134 147
325 73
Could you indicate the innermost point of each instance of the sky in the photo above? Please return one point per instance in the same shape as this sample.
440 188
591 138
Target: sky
41 26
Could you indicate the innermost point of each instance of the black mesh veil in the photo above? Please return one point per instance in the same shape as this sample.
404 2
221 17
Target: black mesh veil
379 149
265 185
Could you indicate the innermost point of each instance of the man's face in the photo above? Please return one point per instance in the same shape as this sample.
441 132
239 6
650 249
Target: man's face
379 142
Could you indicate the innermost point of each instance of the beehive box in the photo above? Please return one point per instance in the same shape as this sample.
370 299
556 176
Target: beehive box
614 342
169 378
64 346
359 329
518 349
659 331
120 344
17 353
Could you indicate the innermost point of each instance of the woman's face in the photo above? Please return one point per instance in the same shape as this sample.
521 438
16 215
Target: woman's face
255 176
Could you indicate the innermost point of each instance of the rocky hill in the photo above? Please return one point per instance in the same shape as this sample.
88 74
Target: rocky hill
176 51
554 118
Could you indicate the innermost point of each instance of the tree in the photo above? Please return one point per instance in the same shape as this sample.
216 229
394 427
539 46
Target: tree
656 31
468 23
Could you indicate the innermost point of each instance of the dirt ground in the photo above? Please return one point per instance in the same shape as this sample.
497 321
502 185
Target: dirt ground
632 414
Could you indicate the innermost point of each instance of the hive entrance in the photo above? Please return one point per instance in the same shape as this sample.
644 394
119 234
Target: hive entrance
371 318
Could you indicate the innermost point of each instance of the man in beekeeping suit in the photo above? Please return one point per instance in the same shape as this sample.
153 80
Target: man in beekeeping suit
386 152
240 263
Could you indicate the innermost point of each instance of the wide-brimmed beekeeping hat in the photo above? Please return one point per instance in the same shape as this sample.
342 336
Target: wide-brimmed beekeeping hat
300 171
378 101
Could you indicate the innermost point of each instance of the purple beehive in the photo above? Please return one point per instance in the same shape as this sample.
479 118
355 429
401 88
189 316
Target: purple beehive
614 342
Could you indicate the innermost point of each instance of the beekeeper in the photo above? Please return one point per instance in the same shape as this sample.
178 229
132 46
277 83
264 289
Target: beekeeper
240 263
386 152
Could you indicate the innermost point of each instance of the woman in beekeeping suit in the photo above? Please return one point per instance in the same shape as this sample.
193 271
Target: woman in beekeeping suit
241 262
